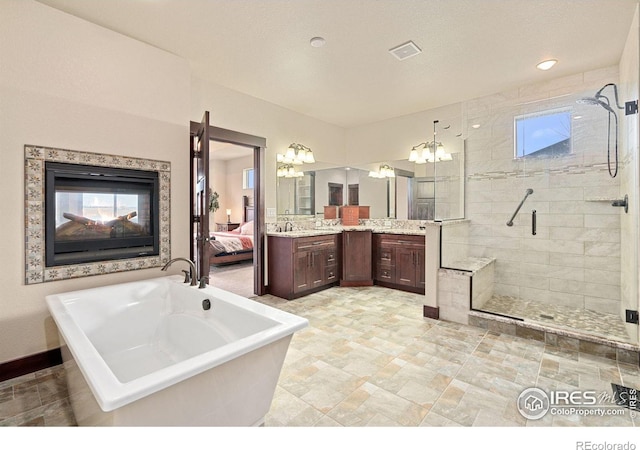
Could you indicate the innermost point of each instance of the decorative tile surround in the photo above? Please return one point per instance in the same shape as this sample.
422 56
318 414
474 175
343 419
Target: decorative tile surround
35 158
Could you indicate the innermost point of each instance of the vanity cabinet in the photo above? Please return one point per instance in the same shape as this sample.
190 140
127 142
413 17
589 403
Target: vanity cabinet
300 265
356 258
399 261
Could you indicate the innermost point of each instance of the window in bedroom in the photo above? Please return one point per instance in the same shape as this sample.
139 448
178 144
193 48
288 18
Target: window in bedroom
247 178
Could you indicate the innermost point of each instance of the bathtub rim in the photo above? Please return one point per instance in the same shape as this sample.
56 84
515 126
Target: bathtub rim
111 394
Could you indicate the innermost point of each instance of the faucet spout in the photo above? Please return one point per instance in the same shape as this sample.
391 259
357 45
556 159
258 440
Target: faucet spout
193 271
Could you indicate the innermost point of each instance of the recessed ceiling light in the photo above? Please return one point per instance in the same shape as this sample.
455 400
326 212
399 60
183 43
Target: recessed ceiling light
546 65
317 41
475 125
406 50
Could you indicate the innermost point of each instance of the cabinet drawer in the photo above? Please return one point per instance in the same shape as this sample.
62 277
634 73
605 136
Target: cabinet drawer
386 273
401 241
331 256
386 255
331 273
315 243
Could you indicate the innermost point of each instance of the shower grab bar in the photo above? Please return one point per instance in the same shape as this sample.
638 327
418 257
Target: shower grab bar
533 222
515 213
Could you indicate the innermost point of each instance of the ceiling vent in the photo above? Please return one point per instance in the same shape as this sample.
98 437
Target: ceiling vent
406 50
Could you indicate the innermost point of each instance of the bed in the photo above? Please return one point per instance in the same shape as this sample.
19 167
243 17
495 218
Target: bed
237 245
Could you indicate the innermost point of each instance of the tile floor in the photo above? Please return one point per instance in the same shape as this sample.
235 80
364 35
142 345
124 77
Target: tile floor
369 358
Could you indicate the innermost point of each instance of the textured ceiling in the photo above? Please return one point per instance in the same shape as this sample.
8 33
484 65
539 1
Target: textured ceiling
469 48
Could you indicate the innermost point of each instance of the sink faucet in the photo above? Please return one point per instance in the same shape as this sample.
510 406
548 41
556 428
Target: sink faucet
193 271
288 226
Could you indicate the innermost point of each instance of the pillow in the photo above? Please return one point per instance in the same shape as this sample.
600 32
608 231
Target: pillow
217 247
247 228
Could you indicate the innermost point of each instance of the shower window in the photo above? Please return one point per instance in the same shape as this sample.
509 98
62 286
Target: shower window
543 134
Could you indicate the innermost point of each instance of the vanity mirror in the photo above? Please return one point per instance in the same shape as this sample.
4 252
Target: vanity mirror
417 191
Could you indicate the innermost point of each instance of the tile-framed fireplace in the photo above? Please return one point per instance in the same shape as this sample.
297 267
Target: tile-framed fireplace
37 269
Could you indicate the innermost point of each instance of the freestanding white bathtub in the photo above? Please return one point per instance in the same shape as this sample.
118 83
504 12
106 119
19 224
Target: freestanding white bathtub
148 353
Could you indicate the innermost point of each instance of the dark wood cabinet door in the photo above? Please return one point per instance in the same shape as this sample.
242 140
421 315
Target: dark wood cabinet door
301 271
316 268
356 256
405 266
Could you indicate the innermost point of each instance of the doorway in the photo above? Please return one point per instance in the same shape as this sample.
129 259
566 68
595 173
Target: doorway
231 219
240 211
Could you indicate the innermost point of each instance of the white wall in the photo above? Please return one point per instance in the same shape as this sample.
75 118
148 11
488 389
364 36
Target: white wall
69 84
240 112
392 139
373 193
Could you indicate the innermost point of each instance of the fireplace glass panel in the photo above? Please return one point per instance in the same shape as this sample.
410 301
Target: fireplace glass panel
99 214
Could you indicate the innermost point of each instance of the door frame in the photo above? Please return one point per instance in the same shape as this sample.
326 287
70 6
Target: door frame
259 145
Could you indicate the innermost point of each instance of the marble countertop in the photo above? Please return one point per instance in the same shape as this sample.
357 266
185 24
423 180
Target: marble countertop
340 229
302 233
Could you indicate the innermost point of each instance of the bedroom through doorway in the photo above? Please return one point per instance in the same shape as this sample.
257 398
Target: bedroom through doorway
231 217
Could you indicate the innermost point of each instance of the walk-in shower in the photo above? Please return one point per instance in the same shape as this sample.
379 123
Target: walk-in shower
567 258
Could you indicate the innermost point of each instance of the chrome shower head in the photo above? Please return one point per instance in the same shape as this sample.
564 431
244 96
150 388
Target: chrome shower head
595 101
588 101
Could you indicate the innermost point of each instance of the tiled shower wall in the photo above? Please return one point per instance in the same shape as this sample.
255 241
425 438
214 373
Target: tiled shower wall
575 257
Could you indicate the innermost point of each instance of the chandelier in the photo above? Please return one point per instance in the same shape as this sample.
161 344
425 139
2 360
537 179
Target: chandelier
432 151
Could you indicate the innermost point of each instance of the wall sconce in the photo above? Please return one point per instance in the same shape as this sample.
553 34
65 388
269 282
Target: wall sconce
228 216
296 154
385 171
288 171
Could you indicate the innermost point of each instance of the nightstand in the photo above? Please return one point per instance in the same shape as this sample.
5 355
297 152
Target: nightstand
227 226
